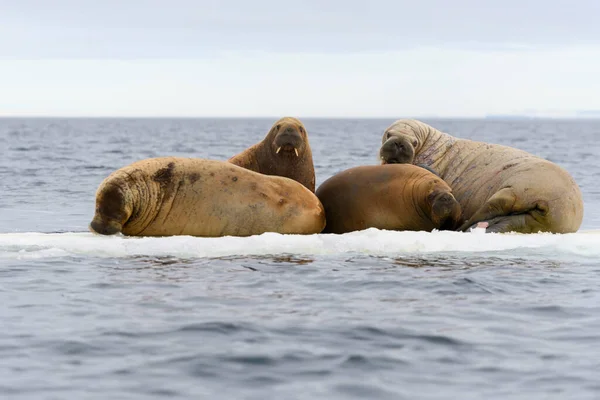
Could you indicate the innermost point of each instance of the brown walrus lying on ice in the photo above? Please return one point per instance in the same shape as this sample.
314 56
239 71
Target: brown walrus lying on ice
392 197
187 196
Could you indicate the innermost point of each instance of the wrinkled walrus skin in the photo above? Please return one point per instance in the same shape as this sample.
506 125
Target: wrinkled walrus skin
285 151
507 189
187 196
392 197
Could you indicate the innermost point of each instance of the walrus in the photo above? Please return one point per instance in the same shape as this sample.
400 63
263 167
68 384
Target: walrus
391 197
500 188
285 151
168 196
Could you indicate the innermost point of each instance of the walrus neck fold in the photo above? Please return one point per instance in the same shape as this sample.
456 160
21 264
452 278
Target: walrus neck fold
434 144
423 208
142 217
139 191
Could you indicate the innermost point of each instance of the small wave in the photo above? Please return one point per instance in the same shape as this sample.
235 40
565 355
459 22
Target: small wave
35 245
371 333
226 328
24 149
76 347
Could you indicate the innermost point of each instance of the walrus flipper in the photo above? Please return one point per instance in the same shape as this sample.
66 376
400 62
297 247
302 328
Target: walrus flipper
500 204
502 214
521 223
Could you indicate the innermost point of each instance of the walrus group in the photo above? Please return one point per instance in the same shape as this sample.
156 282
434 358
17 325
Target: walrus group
428 180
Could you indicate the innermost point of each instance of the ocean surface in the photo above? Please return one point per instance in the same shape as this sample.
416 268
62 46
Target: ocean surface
365 315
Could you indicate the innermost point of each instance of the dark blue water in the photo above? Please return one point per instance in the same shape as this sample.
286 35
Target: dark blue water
372 315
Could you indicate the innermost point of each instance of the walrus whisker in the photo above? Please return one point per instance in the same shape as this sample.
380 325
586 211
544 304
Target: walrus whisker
278 150
296 150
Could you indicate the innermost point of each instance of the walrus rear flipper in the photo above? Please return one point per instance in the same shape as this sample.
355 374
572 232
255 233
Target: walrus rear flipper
504 214
521 223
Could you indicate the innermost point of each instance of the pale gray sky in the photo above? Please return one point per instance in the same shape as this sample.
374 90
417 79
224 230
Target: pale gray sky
303 58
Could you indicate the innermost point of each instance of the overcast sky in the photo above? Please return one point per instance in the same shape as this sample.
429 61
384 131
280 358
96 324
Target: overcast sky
303 58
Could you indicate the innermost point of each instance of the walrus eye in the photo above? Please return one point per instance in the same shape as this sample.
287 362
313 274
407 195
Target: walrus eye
388 135
415 143
277 126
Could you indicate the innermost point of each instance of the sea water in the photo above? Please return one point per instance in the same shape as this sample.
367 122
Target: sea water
371 314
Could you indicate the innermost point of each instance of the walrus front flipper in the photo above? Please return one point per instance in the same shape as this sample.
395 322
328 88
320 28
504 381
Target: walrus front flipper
500 204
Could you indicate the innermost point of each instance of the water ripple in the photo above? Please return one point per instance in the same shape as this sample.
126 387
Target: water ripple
351 317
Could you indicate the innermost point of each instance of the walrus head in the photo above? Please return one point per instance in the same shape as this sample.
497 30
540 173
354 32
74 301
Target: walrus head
288 138
399 143
445 210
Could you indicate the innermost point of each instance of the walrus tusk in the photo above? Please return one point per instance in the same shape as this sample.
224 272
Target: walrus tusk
296 150
279 148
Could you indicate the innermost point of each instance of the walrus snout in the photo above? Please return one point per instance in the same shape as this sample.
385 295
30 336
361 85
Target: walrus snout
105 228
288 140
397 150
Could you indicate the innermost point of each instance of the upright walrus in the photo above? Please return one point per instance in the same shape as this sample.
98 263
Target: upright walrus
187 196
392 197
285 151
498 187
